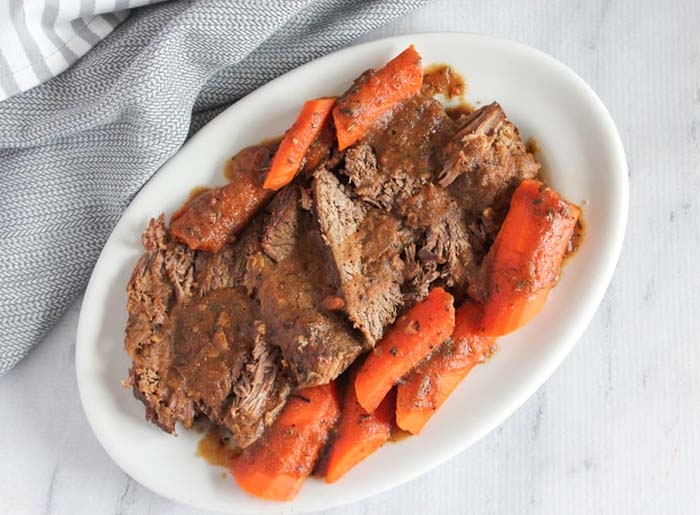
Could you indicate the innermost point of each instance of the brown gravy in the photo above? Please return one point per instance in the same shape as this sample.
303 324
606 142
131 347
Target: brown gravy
441 79
216 447
410 143
533 147
254 157
463 109
398 434
576 238
196 192
229 170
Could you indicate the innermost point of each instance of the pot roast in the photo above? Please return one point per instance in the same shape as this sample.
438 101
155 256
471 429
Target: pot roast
318 273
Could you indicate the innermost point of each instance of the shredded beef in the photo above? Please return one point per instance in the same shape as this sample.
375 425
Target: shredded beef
483 164
199 353
442 250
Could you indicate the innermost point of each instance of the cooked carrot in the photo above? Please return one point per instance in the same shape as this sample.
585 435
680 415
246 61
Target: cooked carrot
424 390
372 96
297 140
523 263
359 433
413 336
321 148
211 220
277 464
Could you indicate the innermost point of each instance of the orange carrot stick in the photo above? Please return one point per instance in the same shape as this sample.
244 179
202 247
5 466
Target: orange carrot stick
277 464
212 219
424 390
359 433
370 98
413 336
523 263
297 140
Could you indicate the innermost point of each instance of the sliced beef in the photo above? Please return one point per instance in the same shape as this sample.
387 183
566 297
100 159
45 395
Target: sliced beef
362 169
199 350
205 350
213 271
365 244
280 232
400 156
483 164
317 344
245 248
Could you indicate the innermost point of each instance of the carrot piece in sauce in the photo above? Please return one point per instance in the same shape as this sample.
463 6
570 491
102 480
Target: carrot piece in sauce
276 465
212 219
290 155
523 263
369 99
359 433
414 335
428 386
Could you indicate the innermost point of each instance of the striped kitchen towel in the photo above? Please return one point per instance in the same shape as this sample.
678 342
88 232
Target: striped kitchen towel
41 38
76 149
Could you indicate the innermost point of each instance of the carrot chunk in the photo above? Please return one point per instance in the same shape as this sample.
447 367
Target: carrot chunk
523 263
276 466
426 388
414 335
372 96
211 220
359 433
297 140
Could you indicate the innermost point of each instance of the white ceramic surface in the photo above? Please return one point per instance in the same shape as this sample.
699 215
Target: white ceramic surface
584 158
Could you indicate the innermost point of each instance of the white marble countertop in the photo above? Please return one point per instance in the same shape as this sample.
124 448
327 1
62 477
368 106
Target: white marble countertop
615 430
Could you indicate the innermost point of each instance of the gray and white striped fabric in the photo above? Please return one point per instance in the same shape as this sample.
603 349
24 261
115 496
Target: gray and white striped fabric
76 149
41 38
